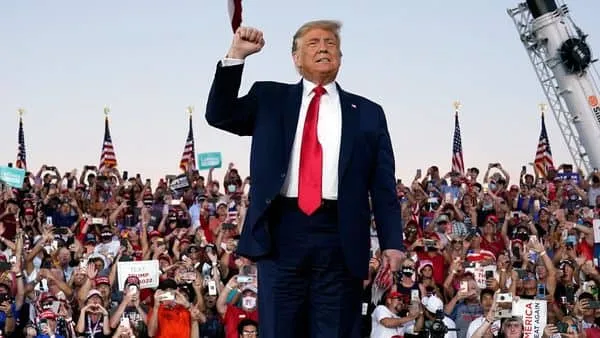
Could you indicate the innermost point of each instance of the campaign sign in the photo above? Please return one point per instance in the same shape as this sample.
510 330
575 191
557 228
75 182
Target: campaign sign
209 160
534 314
12 177
146 271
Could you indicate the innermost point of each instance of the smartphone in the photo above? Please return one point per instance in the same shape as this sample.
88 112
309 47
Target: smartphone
97 221
125 322
464 286
570 294
594 304
245 279
419 172
524 168
541 291
49 220
125 175
212 288
175 202
414 296
167 296
489 274
133 289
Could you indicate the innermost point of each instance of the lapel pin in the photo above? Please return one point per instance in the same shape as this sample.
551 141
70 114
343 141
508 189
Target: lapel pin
353 105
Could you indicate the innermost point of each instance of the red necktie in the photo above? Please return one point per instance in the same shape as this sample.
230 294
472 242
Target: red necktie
310 174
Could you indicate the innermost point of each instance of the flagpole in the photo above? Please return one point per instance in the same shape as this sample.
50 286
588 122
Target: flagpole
21 112
543 108
457 105
190 110
106 111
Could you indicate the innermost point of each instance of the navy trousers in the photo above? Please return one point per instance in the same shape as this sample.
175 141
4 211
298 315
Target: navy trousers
305 287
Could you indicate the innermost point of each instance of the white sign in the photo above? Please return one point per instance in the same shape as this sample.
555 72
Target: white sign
146 271
479 273
534 314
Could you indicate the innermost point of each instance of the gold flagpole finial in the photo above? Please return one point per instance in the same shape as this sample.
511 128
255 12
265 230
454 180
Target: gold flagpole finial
457 105
21 111
106 110
543 108
190 110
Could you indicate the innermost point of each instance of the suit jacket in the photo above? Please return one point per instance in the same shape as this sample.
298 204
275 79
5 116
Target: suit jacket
269 113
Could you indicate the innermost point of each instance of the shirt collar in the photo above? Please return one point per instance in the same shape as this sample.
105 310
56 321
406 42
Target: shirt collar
307 88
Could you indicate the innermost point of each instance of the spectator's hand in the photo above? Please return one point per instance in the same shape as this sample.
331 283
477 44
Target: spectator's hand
212 256
393 258
374 264
91 272
232 284
5 307
181 299
550 330
197 315
492 284
536 245
157 296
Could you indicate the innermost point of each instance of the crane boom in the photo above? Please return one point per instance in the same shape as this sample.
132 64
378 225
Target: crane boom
562 61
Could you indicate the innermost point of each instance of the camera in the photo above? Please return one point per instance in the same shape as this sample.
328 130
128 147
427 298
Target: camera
437 329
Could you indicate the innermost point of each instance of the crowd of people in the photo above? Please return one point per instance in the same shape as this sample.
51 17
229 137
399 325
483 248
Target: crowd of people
62 238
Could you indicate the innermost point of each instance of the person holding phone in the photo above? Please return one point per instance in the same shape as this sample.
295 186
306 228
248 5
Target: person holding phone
93 319
170 316
130 308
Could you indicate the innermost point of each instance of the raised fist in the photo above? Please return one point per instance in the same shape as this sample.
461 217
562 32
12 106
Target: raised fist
246 41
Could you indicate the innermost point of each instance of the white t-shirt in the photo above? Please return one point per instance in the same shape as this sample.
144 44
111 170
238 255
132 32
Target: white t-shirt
476 324
380 331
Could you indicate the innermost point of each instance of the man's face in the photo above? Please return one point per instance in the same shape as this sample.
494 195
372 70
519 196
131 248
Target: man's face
249 331
487 301
318 56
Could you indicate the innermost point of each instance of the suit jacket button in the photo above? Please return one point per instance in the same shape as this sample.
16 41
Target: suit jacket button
283 175
268 201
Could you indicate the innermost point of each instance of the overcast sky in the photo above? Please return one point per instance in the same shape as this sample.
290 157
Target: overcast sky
148 60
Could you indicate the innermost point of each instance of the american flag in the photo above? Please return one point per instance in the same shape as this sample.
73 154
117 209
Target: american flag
235 13
458 165
543 156
188 161
107 158
21 155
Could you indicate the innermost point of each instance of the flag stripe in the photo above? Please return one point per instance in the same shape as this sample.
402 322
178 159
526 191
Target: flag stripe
188 159
108 159
235 13
543 156
458 164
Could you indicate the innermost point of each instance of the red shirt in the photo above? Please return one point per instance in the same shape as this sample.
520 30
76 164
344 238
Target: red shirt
10 225
439 267
496 247
173 322
233 317
585 250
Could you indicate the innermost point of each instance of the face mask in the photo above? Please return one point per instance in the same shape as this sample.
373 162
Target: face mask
249 302
206 269
408 272
492 186
231 188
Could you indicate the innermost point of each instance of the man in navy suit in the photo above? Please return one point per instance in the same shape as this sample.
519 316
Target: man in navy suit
321 160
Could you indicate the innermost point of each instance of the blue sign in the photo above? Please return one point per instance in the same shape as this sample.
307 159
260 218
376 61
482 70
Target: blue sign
209 160
12 177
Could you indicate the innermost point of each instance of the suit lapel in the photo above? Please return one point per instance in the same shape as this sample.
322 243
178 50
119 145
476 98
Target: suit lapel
350 122
290 120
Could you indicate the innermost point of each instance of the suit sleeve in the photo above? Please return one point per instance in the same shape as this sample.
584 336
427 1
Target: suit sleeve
224 110
386 207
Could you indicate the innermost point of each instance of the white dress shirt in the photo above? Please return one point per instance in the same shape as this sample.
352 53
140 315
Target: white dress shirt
329 133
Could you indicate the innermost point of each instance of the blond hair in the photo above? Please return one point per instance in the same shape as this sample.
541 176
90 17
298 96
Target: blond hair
332 26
